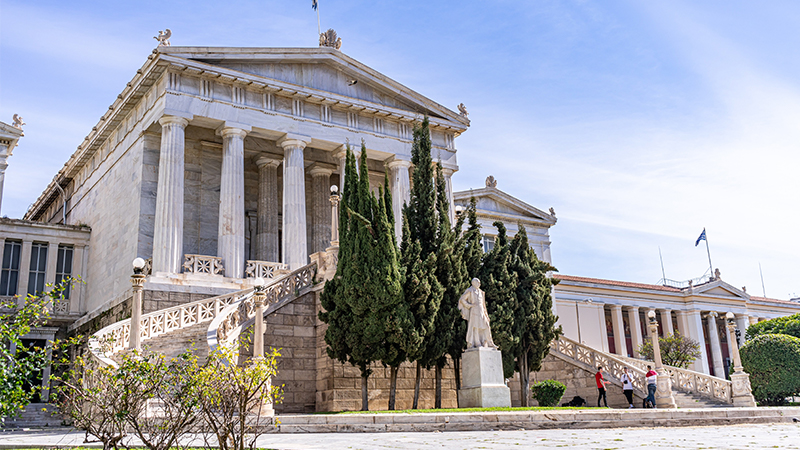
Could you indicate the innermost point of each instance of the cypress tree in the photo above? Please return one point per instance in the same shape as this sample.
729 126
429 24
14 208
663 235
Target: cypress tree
364 302
534 316
422 290
500 284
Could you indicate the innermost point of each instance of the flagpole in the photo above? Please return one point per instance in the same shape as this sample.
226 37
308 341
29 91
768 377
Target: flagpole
710 266
319 28
763 290
663 274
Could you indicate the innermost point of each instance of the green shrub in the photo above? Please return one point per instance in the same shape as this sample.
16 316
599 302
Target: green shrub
772 360
548 392
781 325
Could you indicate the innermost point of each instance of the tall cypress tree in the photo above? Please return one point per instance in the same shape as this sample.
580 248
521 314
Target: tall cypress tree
422 290
534 315
364 301
500 284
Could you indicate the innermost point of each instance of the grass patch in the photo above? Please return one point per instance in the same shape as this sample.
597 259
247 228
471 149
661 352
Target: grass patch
458 410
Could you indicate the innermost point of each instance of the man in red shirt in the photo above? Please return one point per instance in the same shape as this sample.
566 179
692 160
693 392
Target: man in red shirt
601 386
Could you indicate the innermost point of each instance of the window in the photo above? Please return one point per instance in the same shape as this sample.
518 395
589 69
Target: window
488 243
9 276
64 268
37 268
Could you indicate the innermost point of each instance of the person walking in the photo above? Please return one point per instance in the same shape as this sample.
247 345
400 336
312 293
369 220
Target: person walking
627 386
652 379
601 386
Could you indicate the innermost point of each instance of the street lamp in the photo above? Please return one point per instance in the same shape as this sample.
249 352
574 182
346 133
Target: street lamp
334 216
258 327
664 397
137 282
740 380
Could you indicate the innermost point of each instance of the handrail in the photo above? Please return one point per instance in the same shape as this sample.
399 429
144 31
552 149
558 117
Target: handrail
116 337
591 359
230 322
686 380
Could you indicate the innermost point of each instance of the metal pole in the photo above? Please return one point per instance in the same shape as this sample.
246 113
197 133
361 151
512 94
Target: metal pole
663 274
763 290
710 266
319 28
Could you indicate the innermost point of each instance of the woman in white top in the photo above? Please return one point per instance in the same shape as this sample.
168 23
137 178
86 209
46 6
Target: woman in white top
627 386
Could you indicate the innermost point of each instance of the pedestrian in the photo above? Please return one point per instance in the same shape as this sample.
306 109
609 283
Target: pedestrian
652 378
627 386
601 386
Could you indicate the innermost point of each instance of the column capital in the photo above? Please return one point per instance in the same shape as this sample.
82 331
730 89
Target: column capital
233 129
340 152
321 169
712 314
268 160
634 308
294 140
173 120
615 306
398 163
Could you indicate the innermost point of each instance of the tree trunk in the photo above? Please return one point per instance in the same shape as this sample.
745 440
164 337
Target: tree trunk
438 400
524 379
364 392
392 386
457 369
416 387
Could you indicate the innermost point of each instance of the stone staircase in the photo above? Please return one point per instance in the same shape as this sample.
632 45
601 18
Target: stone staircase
175 343
36 415
686 400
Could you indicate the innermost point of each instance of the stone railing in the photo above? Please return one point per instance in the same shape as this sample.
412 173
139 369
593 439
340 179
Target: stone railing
202 264
148 267
591 359
686 380
265 269
116 337
228 325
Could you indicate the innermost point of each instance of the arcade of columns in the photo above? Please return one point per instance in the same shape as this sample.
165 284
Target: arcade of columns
168 229
689 323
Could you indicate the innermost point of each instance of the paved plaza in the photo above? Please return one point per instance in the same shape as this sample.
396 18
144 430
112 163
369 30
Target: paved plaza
783 436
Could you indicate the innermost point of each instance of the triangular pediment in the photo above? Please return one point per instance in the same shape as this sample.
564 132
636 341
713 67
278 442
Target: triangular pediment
322 69
720 288
493 201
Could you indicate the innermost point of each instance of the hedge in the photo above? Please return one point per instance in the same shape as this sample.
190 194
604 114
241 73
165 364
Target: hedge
781 325
548 392
773 362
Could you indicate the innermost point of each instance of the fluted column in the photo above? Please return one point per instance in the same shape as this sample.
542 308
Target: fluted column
619 330
716 348
268 209
693 324
742 323
295 249
321 207
448 188
3 167
230 234
753 320
636 329
666 322
401 192
168 227
341 160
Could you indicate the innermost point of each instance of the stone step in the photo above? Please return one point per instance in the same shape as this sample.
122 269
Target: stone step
36 415
687 400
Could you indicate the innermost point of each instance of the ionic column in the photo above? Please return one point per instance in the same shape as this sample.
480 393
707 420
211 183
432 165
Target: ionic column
619 330
753 320
268 209
693 323
3 167
340 155
636 329
168 226
230 234
321 207
666 322
294 201
716 349
24 270
401 192
742 323
448 188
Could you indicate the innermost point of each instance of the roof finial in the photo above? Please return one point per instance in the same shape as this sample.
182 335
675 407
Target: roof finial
163 38
491 182
18 122
463 110
329 39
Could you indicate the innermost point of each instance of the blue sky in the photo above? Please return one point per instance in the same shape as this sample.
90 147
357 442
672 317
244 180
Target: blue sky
641 123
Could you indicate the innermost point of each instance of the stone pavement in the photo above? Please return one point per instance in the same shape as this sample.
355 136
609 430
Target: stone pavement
783 436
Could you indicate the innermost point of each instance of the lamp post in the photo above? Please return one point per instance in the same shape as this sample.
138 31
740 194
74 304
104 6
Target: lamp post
664 397
742 394
334 216
137 281
258 326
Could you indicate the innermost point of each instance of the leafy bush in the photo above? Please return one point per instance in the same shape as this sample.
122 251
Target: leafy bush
548 392
782 325
676 350
772 360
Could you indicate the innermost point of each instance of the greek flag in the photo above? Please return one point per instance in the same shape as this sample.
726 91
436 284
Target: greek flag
314 4
701 238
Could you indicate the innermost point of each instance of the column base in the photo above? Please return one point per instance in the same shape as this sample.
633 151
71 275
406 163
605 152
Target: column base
742 393
664 397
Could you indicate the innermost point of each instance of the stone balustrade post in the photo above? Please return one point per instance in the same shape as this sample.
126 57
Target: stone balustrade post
401 192
168 226
230 234
716 347
295 248
740 380
268 209
664 397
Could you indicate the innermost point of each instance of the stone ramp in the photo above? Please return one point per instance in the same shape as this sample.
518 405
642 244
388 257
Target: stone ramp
528 420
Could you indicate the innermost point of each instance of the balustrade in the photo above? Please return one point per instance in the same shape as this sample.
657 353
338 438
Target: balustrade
202 264
265 269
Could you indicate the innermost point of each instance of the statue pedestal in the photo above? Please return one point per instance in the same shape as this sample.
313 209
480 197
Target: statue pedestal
482 382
